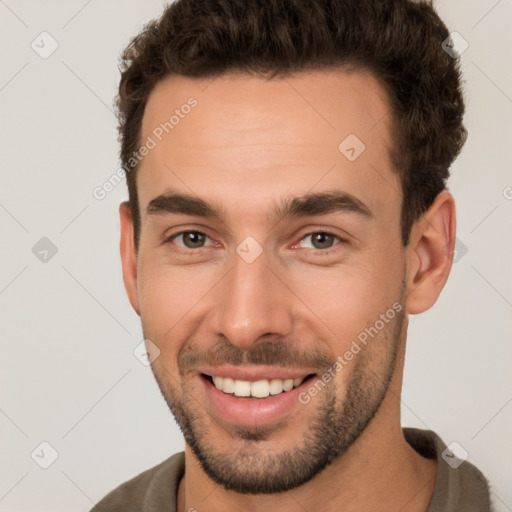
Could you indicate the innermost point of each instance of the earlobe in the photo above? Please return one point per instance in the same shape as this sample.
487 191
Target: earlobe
128 255
430 254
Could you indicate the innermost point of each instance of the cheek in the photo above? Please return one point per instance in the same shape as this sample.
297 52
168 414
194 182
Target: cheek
170 296
347 300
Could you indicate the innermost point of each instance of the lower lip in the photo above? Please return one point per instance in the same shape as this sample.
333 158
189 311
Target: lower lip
252 411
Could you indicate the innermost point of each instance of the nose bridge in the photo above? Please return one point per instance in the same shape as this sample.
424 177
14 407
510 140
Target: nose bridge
251 303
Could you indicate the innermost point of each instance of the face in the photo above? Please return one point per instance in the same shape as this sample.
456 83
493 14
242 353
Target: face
270 250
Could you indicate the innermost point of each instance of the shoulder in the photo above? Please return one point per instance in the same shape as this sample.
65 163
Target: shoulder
153 489
459 484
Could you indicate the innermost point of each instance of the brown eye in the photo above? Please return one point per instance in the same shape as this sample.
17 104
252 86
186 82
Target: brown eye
322 240
193 239
189 239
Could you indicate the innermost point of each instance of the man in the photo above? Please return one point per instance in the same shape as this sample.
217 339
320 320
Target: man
286 164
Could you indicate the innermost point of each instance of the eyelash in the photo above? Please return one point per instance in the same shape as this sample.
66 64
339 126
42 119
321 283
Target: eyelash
191 252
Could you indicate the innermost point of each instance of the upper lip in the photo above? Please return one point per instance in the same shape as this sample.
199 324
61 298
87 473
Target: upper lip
254 373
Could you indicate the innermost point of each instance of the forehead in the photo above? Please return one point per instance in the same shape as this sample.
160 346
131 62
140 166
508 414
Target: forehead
269 137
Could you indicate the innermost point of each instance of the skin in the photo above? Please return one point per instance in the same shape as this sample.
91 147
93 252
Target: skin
248 145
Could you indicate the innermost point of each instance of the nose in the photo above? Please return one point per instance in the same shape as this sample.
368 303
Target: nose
252 301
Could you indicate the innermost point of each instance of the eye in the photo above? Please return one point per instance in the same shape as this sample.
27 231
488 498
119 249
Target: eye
189 239
320 240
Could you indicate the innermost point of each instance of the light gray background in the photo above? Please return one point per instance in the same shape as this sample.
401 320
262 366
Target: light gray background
68 374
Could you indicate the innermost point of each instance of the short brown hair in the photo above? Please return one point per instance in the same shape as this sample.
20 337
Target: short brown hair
399 41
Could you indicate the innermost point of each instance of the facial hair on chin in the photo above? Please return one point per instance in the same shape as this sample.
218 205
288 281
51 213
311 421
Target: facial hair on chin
335 426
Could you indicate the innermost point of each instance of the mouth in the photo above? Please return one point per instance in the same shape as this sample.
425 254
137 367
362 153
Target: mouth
253 402
261 388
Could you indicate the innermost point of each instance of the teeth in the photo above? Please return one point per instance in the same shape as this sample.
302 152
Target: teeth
288 384
228 385
276 386
258 389
218 382
242 388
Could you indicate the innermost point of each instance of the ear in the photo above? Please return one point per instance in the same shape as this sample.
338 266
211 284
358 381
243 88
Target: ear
128 255
430 254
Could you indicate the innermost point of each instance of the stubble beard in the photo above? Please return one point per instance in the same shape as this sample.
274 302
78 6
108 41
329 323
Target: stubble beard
336 425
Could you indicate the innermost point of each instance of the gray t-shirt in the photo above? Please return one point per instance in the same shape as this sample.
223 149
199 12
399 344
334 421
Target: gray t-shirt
461 489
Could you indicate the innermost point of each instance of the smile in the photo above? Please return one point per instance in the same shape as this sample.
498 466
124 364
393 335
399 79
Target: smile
258 389
253 396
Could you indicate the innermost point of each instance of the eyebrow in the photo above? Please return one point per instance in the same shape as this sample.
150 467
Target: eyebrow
311 204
